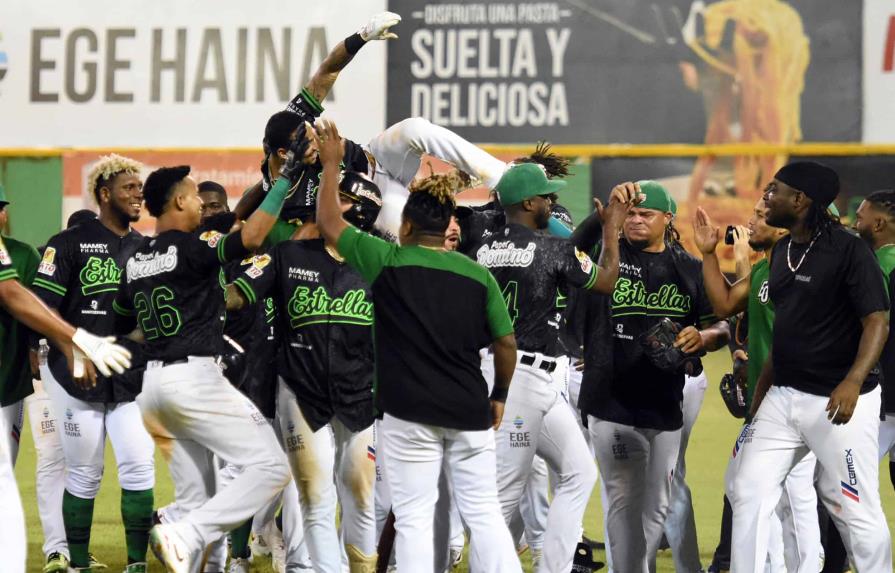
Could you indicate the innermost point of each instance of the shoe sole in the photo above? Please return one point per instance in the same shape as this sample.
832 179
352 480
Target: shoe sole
157 544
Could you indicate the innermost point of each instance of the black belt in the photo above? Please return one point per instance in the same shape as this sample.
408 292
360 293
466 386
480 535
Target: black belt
173 362
545 365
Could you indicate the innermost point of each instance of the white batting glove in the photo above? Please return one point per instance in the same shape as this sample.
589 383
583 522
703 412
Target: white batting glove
103 352
378 27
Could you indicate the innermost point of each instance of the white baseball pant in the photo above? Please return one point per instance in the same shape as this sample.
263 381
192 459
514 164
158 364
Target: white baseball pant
398 151
84 429
887 437
49 482
794 538
534 507
448 527
537 419
332 466
12 523
788 425
12 417
637 466
414 456
193 413
680 525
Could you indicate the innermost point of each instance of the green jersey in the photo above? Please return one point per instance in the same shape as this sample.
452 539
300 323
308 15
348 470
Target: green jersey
886 258
15 369
761 325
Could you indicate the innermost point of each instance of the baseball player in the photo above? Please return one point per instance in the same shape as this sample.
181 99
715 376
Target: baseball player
530 268
170 288
632 395
818 391
875 222
429 387
78 276
795 518
325 369
78 345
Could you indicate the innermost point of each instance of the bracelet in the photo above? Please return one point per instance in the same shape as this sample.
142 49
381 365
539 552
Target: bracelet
354 43
499 394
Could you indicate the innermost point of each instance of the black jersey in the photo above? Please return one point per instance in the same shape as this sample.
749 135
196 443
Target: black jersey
171 288
79 277
253 328
530 268
477 224
301 201
325 325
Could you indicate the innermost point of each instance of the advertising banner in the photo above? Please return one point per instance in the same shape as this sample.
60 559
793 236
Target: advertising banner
603 71
175 74
879 71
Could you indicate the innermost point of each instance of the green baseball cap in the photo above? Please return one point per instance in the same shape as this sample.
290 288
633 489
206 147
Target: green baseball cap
673 207
655 197
3 200
524 181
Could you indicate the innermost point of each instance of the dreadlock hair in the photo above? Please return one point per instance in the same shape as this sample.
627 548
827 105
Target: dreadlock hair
819 219
557 167
159 185
431 203
672 235
884 200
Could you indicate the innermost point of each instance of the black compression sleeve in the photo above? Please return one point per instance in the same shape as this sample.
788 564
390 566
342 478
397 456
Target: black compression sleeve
354 43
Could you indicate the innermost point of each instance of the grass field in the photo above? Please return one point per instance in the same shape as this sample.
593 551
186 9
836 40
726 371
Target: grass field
710 445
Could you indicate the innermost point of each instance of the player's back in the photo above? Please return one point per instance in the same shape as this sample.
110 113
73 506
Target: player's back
172 288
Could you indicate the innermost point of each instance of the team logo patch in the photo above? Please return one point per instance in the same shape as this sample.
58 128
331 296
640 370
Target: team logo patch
47 266
4 256
850 492
46 412
584 261
211 237
518 422
371 453
258 263
68 413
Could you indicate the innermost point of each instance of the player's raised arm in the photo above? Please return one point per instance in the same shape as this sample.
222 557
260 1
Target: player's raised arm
622 198
726 299
329 210
378 28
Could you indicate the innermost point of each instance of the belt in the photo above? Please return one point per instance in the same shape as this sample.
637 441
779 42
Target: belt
163 363
532 360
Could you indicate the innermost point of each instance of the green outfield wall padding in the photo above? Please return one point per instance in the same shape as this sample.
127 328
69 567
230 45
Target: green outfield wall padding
34 190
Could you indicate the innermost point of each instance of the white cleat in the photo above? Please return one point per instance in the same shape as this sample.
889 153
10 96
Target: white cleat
277 548
238 565
260 547
169 548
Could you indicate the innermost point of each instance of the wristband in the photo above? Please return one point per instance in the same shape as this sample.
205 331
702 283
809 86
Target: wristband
499 394
273 201
354 43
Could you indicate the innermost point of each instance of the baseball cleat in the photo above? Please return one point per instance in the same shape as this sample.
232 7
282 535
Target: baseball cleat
56 563
169 548
94 563
259 546
456 557
238 565
138 567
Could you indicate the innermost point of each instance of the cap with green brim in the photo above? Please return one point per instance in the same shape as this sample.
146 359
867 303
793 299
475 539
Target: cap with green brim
655 197
524 181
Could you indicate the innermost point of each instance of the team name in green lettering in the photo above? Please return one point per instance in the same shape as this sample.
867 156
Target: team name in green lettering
99 275
312 307
633 294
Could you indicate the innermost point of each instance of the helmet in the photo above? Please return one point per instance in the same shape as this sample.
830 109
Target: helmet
366 198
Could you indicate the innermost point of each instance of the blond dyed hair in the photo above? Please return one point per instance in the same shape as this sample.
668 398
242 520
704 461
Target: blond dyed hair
109 166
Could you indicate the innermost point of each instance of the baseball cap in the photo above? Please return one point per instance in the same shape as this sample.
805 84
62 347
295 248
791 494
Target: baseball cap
3 200
524 181
655 197
816 180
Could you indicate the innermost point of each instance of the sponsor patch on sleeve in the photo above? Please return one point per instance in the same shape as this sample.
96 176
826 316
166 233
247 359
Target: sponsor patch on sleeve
46 263
586 263
211 237
4 256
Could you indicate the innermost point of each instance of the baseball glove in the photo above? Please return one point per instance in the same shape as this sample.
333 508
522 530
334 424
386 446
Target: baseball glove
658 345
734 396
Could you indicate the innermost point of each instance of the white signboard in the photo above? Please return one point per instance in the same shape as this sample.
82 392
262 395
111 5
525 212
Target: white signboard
176 74
879 71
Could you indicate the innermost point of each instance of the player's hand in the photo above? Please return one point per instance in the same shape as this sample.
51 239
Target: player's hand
34 363
329 143
496 413
103 352
741 249
843 401
627 193
294 166
689 340
578 365
705 234
599 209
379 27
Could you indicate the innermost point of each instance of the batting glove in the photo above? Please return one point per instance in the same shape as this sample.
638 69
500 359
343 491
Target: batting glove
103 352
378 27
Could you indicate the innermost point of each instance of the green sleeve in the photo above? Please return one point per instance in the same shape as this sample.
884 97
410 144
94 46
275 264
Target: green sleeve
498 316
364 252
